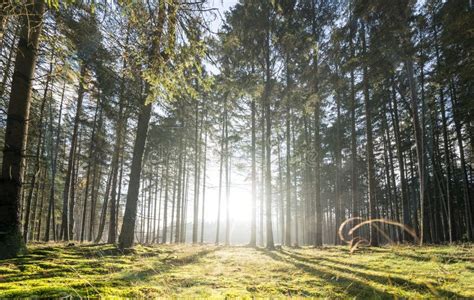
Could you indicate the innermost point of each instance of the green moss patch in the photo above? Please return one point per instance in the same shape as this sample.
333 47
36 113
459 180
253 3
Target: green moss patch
56 270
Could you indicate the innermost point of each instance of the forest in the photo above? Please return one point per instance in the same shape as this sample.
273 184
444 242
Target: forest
237 148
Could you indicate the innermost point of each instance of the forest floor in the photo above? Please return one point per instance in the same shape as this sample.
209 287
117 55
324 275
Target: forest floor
57 270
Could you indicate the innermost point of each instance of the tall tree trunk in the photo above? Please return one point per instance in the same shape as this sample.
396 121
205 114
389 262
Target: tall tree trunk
75 174
370 145
465 181
196 175
126 237
295 184
353 104
221 167
281 198
227 176
418 144
179 198
253 224
401 164
96 178
55 152
165 207
40 213
162 183
204 185
172 208
103 214
112 238
393 182
317 237
338 202
11 180
67 200
262 176
88 171
268 141
36 168
288 155
184 182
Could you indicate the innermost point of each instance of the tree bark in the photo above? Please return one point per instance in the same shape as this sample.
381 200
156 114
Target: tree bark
418 144
16 133
88 171
65 220
370 145
204 185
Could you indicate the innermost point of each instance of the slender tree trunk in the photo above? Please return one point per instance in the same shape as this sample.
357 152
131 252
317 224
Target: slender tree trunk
281 198
268 143
196 176
317 237
465 181
179 198
392 172
165 207
36 168
353 104
185 207
71 159
204 186
418 144
262 173
401 164
227 176
11 180
338 202
51 209
221 167
295 184
172 209
88 171
112 238
96 178
162 183
41 176
370 146
103 214
40 214
75 171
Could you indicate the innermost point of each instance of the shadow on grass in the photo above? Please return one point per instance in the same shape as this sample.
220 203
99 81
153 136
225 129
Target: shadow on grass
345 284
355 282
442 258
81 262
166 264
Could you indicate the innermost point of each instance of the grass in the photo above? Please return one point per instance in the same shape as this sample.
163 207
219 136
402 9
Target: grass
56 270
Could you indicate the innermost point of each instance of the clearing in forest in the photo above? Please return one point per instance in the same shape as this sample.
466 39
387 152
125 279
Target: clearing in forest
55 270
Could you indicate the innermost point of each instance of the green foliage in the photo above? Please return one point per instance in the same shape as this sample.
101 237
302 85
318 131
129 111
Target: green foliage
53 270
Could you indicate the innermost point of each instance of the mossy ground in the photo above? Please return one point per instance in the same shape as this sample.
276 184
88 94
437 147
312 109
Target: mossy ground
55 270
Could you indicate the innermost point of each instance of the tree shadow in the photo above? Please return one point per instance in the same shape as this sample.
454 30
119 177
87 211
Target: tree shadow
440 257
391 278
355 286
344 283
167 264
